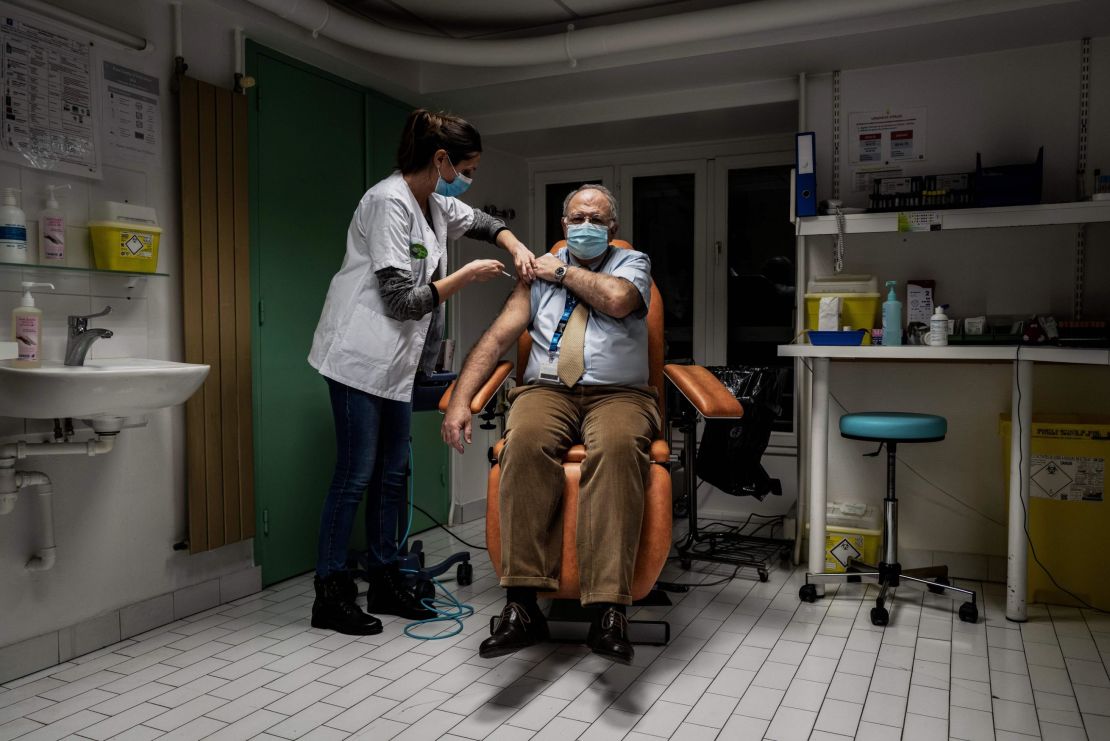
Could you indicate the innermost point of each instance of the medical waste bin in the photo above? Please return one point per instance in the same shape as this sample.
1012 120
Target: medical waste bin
852 530
125 237
1068 517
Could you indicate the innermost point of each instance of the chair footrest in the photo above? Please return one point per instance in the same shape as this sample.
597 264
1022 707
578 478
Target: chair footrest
640 632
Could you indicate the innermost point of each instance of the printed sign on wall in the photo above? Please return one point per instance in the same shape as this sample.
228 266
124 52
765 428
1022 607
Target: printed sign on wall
886 137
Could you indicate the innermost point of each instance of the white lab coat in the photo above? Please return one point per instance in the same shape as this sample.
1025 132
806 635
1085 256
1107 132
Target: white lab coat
355 342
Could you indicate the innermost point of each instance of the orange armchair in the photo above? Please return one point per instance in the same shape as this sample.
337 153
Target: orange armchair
698 385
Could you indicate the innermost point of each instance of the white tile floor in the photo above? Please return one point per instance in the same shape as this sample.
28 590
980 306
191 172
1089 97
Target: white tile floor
746 661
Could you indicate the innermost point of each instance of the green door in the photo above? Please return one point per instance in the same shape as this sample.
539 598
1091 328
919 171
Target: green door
309 171
317 143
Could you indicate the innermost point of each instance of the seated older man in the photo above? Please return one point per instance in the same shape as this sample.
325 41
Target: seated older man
586 381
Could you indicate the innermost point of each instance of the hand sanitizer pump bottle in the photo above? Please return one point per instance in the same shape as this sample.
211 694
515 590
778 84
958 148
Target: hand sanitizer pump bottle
27 328
892 317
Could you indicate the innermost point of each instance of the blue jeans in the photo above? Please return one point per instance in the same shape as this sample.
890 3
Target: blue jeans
372 452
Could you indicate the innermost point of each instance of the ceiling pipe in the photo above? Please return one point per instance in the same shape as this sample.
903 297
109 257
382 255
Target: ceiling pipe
759 16
129 40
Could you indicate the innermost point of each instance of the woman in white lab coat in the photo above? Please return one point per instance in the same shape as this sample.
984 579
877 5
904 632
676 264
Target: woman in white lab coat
382 322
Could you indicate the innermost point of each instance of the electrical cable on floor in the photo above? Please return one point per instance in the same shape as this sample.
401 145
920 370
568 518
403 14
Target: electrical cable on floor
446 610
444 529
676 586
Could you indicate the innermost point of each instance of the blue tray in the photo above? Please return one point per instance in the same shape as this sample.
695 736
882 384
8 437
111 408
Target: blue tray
849 337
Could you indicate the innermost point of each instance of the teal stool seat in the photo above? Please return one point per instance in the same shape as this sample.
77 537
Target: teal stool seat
900 427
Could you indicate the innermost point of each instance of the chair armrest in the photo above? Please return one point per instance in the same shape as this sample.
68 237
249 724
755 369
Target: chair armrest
489 388
701 388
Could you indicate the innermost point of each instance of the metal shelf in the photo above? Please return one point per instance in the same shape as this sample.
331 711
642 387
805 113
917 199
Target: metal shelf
1042 214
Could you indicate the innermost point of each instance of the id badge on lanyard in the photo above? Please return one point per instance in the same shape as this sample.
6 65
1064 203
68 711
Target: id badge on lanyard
549 365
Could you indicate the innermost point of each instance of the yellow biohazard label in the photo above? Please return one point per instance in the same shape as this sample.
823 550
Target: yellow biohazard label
136 245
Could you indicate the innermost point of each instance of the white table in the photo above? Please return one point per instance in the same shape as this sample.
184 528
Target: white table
1022 411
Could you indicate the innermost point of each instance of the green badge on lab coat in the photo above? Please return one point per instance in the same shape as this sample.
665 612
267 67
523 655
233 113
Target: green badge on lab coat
418 251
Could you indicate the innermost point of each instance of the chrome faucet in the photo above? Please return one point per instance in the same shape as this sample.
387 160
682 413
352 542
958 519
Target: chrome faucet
81 336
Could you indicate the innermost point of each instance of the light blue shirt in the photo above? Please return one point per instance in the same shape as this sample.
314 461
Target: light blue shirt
616 350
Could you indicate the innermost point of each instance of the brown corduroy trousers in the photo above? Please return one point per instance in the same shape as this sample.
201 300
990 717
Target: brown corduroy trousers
617 425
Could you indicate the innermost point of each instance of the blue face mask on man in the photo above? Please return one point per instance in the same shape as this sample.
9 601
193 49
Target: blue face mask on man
456 187
587 241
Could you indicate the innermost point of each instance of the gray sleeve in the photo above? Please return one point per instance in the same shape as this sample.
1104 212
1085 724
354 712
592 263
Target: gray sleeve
403 300
485 227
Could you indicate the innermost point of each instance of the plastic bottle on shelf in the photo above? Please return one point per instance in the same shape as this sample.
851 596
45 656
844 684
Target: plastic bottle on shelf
52 229
938 327
13 227
892 317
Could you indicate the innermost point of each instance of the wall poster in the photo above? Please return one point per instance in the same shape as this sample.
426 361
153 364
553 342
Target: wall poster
132 116
48 77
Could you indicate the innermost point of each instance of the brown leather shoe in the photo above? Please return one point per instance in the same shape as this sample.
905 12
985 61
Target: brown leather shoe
608 636
517 628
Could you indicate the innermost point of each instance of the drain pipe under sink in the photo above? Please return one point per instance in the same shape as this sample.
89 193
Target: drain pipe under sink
12 482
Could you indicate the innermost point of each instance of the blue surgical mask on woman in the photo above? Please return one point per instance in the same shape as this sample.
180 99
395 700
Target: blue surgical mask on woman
456 187
587 241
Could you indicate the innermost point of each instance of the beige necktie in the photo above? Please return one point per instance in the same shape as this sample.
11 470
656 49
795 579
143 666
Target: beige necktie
572 354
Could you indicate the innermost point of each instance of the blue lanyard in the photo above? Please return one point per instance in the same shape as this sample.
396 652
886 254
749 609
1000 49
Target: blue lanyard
556 338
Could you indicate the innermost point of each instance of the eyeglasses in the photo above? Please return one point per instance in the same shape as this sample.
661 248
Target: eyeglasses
591 218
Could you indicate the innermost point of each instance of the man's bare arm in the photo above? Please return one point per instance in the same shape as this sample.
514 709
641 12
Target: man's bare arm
611 295
608 294
506 328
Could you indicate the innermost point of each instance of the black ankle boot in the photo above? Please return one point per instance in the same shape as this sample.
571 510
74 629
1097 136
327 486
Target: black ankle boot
335 607
389 595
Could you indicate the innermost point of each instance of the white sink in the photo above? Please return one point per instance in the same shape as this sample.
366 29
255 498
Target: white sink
109 388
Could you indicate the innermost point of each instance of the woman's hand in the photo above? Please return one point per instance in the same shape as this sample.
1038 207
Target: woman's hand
524 261
483 270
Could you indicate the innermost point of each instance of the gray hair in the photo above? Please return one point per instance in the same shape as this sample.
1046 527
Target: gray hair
599 188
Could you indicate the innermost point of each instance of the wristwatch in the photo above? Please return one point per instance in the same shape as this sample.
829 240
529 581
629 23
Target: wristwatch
560 273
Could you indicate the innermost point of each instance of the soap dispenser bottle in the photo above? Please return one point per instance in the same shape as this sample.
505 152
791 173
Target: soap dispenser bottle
27 328
13 227
892 317
52 228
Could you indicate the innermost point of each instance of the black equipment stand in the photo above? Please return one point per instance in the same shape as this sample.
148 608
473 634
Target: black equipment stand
731 546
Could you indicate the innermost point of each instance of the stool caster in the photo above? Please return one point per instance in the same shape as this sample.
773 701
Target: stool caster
969 613
943 581
464 574
808 593
763 575
879 616
685 563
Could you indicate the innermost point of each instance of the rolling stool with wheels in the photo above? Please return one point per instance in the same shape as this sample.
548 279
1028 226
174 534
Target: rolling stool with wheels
890 429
